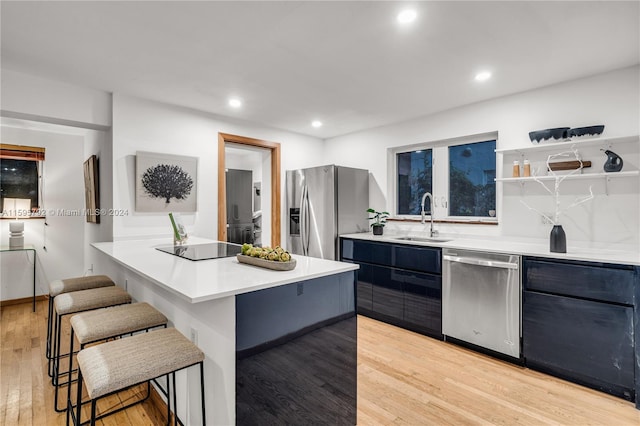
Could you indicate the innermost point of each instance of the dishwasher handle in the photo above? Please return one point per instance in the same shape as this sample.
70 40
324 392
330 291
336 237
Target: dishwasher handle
480 262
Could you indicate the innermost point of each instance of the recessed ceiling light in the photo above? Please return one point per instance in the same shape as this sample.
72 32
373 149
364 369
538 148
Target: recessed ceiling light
316 123
483 76
406 16
235 103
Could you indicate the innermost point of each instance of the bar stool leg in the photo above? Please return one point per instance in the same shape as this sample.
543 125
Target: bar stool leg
204 420
93 413
168 401
56 351
49 326
56 362
175 401
78 419
54 322
69 403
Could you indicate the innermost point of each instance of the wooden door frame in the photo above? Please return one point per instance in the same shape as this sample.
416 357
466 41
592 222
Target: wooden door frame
274 147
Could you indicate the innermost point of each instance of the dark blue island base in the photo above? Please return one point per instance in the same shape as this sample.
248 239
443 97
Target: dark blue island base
296 349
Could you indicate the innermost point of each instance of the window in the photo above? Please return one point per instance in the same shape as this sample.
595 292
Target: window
19 174
458 172
414 179
472 170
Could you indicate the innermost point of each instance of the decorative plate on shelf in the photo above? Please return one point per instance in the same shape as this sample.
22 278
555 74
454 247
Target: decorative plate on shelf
558 133
586 131
269 264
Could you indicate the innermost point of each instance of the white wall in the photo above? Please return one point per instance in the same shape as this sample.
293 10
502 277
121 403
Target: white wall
63 237
611 99
66 237
142 125
30 97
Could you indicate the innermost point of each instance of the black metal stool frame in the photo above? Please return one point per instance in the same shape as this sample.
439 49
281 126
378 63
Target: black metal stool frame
82 346
76 416
56 353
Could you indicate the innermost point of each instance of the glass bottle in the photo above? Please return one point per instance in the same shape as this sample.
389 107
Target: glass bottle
516 168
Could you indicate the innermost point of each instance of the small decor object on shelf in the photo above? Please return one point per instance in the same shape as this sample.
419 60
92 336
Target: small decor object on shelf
179 230
276 258
614 162
516 169
557 240
379 218
586 131
538 136
569 165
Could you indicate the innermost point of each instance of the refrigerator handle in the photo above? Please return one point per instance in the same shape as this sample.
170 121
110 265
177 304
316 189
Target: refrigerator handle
307 221
302 218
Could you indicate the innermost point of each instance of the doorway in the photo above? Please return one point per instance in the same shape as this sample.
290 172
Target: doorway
226 141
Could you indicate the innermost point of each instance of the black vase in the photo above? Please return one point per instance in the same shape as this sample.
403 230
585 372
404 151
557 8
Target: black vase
377 230
558 240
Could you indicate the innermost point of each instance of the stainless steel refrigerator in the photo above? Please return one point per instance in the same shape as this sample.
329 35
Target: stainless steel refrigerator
322 203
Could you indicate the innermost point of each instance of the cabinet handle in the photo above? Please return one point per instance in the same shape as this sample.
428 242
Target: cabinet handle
480 262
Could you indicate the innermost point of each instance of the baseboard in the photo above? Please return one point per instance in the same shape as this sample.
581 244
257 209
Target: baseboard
22 300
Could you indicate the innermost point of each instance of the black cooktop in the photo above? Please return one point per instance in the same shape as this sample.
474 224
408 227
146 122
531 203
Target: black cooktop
203 251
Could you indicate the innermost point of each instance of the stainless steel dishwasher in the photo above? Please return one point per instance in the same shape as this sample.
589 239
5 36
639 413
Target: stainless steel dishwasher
481 299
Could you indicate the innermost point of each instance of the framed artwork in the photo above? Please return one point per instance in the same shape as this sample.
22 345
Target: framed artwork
91 194
165 183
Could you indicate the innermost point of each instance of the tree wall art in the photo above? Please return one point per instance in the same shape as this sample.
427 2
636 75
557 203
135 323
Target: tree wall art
165 183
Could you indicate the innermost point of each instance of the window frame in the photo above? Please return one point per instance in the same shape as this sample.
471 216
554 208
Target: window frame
440 178
27 153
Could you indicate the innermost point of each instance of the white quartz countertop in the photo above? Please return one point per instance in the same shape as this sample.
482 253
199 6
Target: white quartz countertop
527 247
202 280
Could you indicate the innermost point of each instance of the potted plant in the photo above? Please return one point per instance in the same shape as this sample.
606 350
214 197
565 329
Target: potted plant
379 218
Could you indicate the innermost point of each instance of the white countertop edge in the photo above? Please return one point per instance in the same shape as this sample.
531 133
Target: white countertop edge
287 277
142 274
621 254
348 267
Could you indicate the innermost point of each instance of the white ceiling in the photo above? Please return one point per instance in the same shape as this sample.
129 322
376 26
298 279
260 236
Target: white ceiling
348 64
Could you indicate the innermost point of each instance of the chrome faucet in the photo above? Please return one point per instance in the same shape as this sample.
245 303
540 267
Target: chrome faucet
432 232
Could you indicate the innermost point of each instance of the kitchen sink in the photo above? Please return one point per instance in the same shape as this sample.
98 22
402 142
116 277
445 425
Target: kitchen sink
423 239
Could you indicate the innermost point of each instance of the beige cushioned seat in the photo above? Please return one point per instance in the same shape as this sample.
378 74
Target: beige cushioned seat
81 283
104 323
85 300
118 364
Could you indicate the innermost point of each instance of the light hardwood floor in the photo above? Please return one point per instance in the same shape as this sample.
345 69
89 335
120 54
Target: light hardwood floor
403 379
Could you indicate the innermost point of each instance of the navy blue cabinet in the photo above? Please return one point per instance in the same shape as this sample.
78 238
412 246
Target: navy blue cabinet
399 284
577 322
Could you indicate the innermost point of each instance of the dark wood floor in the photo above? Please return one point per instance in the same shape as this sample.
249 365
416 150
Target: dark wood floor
295 382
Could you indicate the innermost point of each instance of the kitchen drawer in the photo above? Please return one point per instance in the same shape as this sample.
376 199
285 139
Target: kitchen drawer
372 252
415 258
582 340
423 259
596 281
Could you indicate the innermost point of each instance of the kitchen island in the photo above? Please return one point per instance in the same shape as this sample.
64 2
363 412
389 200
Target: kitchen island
280 346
